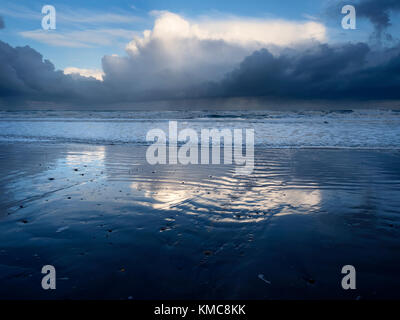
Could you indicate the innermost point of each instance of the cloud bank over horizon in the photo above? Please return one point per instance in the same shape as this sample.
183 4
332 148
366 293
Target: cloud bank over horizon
179 54
220 57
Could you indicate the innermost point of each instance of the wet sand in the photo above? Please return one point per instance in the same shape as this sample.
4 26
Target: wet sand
116 228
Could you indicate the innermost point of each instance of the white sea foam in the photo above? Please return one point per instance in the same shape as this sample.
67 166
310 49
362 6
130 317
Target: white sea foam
275 129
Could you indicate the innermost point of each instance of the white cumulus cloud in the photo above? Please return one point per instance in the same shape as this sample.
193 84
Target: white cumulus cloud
179 53
93 73
247 32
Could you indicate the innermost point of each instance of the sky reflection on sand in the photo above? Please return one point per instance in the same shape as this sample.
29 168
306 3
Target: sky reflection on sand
107 210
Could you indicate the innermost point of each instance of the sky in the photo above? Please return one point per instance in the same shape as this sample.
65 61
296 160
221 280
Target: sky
127 18
122 51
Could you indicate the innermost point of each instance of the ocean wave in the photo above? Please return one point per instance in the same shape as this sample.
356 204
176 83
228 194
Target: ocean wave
274 129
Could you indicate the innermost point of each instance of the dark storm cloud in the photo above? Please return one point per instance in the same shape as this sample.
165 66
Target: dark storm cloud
349 71
320 71
376 11
25 76
317 71
2 25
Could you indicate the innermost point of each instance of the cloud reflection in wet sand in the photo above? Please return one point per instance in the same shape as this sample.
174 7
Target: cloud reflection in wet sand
107 207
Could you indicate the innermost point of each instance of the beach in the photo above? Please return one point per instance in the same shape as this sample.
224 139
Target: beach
200 158
115 227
